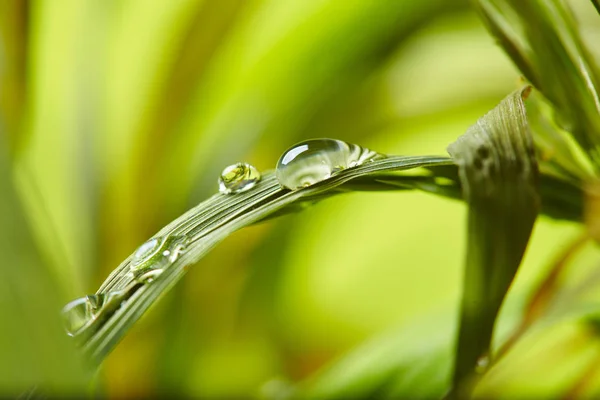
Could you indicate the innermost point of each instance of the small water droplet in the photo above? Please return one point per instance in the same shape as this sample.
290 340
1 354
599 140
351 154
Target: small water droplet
78 313
315 160
238 178
146 251
156 254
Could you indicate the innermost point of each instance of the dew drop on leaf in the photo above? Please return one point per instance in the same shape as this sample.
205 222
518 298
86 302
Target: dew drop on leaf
316 160
238 178
78 313
157 253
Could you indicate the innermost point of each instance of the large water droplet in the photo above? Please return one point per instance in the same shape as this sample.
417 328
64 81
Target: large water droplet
315 160
238 178
156 254
78 313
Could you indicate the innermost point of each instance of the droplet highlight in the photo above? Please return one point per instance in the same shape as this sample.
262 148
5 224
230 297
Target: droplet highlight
316 160
238 178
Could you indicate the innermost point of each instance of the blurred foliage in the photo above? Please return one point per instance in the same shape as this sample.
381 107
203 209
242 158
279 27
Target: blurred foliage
116 116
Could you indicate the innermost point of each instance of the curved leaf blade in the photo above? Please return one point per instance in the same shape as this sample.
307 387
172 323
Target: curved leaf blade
499 176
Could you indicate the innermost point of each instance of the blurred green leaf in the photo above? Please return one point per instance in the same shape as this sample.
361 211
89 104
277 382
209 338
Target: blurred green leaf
499 176
36 354
541 37
559 154
56 173
13 56
285 67
412 362
547 363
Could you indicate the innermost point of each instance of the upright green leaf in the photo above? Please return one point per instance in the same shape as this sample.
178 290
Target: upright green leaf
499 175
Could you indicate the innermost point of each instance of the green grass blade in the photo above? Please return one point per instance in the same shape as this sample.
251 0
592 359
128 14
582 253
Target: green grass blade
499 174
205 226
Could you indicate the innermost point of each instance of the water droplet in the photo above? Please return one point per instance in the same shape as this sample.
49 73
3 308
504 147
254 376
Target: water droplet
315 160
157 253
83 316
146 250
238 178
79 313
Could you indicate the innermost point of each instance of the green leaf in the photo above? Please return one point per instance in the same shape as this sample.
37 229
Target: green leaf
499 175
206 225
541 38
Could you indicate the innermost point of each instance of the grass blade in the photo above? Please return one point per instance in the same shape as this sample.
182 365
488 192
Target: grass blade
205 226
499 175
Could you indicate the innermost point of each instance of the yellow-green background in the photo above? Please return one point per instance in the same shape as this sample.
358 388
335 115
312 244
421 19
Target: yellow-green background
120 114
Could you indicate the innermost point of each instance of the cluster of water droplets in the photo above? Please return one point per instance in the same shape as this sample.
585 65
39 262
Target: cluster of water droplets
148 262
302 165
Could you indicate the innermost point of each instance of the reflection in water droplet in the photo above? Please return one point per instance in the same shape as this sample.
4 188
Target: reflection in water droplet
155 255
315 160
238 178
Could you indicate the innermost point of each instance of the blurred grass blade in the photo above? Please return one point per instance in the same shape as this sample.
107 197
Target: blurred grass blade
34 350
558 153
499 179
541 38
13 60
412 362
203 227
